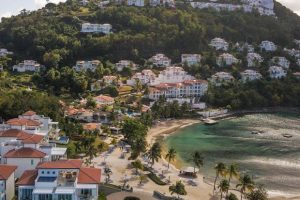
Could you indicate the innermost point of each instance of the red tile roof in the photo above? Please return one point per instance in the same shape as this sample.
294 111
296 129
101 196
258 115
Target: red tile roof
24 153
13 133
21 135
104 98
28 177
60 164
6 171
33 139
29 113
89 176
23 122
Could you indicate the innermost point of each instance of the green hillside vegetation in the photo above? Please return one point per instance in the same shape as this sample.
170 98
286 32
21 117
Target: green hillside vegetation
52 37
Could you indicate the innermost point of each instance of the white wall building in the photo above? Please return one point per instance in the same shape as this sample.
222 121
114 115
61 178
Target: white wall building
221 78
7 182
125 63
86 65
219 44
254 59
268 46
61 180
226 59
96 28
145 77
190 59
277 72
138 3
27 66
160 60
250 75
281 61
172 75
5 52
186 89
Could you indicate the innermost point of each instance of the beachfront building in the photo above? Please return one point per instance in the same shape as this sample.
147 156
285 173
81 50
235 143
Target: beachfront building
5 52
281 61
96 28
138 3
104 100
254 59
219 44
185 89
190 59
27 66
250 75
226 59
277 72
172 75
61 180
86 65
268 46
160 60
125 64
221 78
145 77
7 182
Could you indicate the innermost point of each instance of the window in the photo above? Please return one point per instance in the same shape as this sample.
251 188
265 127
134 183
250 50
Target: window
32 162
64 197
53 172
48 172
26 194
45 196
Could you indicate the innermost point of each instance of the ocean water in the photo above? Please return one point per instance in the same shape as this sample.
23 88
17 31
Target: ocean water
270 158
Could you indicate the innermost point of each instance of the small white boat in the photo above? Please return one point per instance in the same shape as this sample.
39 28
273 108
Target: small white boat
208 121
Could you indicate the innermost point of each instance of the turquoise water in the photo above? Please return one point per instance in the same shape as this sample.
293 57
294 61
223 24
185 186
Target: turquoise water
270 158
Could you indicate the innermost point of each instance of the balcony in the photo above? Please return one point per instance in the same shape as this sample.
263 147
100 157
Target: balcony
67 179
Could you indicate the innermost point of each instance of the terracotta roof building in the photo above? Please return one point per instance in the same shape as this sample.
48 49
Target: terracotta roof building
7 181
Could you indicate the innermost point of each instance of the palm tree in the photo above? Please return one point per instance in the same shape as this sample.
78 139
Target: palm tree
91 152
170 156
100 146
107 172
154 153
178 189
197 159
223 187
77 147
246 184
138 85
137 165
220 171
233 172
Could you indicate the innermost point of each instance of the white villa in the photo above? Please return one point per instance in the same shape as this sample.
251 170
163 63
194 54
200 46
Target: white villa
125 63
190 59
245 47
250 75
219 44
61 180
281 61
268 46
7 182
160 60
293 52
138 3
277 72
186 89
5 52
221 78
145 77
254 59
96 28
226 59
86 65
172 75
27 66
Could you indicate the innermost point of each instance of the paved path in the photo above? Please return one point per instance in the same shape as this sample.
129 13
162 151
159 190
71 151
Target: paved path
122 195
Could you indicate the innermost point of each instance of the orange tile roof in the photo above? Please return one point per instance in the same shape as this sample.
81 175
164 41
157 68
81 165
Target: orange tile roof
24 152
29 113
21 135
90 126
6 171
28 177
33 139
23 122
104 98
89 176
60 164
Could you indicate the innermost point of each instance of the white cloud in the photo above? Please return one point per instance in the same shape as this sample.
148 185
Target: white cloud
41 3
294 5
6 14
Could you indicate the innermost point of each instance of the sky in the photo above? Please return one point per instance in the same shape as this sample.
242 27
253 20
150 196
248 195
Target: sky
13 7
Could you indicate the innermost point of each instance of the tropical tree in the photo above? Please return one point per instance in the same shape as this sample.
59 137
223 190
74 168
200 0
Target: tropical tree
220 171
154 153
233 172
91 152
143 178
232 196
100 147
170 156
137 164
223 187
138 85
246 184
77 147
257 194
178 189
107 172
197 159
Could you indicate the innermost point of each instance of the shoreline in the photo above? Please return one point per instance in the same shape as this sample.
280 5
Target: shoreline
166 128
